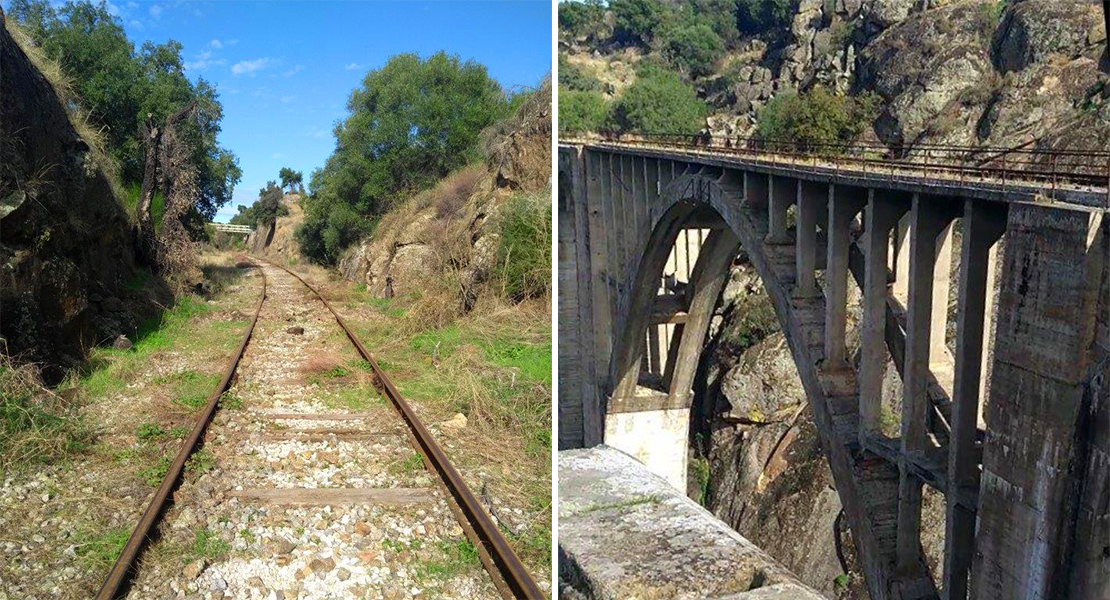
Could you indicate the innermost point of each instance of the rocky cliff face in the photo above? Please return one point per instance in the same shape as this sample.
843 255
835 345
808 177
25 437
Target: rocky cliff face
276 238
67 247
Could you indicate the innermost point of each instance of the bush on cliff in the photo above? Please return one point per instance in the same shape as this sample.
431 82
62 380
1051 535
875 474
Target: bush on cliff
659 102
582 111
816 117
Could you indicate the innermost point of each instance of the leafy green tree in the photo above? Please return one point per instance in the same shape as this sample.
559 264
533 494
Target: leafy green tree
637 21
694 49
757 16
120 86
411 122
816 117
582 19
582 111
290 179
659 102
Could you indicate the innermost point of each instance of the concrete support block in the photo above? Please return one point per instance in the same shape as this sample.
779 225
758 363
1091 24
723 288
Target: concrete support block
983 224
942 276
783 193
812 198
658 439
901 263
756 189
844 204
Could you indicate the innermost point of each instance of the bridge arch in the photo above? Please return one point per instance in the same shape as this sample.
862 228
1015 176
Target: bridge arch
648 415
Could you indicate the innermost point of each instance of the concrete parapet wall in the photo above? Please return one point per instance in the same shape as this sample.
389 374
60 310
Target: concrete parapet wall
626 533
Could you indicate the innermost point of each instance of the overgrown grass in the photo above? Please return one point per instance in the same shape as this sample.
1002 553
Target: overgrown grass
36 425
157 205
108 370
208 544
524 253
98 548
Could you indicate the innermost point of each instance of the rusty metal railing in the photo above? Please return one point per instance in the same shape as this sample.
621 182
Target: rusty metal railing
1050 170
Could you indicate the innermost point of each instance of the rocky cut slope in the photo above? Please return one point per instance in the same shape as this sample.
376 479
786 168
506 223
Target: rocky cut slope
67 246
449 233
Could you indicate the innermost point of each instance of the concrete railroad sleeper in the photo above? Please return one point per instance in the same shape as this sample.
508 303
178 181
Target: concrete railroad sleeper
507 572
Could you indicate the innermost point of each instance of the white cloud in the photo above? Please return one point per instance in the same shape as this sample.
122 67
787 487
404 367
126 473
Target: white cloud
249 66
277 155
113 9
231 42
317 132
217 44
203 61
352 66
156 11
293 71
132 5
288 99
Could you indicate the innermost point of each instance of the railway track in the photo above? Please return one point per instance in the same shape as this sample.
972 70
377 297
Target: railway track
324 502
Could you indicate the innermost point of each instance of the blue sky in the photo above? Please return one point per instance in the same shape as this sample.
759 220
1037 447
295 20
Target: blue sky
284 70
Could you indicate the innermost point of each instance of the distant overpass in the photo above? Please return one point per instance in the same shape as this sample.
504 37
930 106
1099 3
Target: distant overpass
229 228
1011 421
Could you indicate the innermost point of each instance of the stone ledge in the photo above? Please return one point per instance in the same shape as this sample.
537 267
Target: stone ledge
625 533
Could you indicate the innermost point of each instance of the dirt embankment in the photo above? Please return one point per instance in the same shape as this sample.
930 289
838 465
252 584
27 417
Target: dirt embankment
68 274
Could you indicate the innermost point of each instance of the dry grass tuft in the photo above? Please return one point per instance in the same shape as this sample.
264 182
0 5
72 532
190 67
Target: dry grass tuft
454 190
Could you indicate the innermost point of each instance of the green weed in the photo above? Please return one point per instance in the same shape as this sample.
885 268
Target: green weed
200 462
208 544
154 474
150 432
97 551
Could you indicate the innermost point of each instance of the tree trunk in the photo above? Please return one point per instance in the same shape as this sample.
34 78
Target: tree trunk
152 140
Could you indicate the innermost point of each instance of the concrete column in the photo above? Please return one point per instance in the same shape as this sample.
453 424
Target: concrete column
783 193
942 276
811 196
656 438
901 284
883 212
844 204
929 218
983 224
988 322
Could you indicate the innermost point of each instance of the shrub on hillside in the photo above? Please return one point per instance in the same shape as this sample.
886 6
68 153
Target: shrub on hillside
659 102
758 16
582 111
693 48
328 228
573 77
637 21
582 19
816 117
524 251
720 16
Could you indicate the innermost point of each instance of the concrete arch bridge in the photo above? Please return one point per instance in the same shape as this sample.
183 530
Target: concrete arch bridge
1013 426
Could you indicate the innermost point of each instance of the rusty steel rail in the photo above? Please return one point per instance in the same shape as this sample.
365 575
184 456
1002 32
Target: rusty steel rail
119 577
508 573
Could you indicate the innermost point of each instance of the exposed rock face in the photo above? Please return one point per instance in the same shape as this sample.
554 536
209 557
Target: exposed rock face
68 249
1034 30
277 237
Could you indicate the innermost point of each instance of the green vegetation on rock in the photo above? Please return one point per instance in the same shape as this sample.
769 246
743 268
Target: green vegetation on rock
659 102
816 117
119 86
411 122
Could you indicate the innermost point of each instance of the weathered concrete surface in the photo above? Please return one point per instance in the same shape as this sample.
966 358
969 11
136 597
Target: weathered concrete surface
1038 439
656 438
626 533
